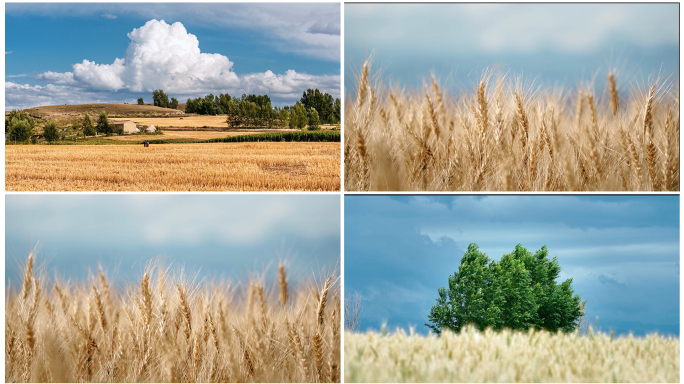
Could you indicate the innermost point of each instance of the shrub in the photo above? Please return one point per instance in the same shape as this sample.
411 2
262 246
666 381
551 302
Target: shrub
20 131
50 131
88 129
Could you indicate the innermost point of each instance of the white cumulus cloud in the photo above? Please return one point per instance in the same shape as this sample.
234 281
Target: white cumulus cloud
57 77
166 56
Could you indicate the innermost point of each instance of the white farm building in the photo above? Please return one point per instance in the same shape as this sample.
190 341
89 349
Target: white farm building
151 129
126 125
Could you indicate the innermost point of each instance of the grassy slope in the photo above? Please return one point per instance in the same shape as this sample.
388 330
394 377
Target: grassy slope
95 109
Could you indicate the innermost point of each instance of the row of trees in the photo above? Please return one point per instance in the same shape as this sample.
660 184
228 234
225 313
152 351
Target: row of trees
314 109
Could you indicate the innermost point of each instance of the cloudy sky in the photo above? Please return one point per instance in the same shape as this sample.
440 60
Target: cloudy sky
214 235
621 251
560 43
84 53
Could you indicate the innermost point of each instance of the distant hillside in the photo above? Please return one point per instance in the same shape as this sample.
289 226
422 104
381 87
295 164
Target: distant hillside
57 111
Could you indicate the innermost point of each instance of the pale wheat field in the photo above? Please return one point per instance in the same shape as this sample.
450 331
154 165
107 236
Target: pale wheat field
508 356
164 328
256 166
508 134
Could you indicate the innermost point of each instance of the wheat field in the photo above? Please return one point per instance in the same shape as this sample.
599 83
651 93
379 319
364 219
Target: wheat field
534 356
510 135
258 166
164 328
190 135
185 121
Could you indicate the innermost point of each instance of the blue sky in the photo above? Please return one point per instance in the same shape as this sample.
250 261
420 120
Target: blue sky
621 251
279 49
214 235
560 43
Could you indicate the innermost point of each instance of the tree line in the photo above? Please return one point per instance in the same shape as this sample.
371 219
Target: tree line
312 109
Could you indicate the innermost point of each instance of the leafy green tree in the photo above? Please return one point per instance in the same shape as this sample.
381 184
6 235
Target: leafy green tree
313 120
50 131
21 130
284 116
160 98
13 119
298 117
140 101
174 103
88 129
559 308
336 111
517 292
103 125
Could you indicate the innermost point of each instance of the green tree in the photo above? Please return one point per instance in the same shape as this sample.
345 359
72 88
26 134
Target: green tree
88 129
140 101
559 308
313 119
25 129
323 103
517 292
103 125
50 131
174 103
21 130
284 116
298 117
337 111
160 98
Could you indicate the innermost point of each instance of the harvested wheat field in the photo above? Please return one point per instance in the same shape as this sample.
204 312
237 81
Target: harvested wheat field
191 135
198 121
164 329
506 136
257 166
534 356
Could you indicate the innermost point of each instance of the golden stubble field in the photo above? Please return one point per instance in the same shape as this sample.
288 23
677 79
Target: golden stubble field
183 122
271 166
190 135
195 121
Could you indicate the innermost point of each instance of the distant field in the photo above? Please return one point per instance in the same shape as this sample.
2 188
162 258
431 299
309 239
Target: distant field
182 122
186 135
192 121
471 357
270 166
